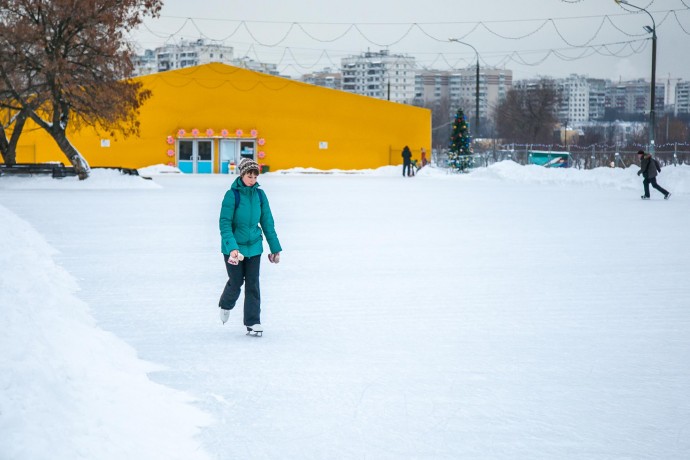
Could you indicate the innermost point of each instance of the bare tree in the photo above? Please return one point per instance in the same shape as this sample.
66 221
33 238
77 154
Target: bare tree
528 114
671 129
68 63
592 135
12 115
13 120
441 120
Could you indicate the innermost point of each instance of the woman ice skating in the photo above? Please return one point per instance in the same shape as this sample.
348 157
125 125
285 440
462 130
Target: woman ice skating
244 216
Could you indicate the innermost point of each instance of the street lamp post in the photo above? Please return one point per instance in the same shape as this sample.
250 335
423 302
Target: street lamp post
652 114
476 93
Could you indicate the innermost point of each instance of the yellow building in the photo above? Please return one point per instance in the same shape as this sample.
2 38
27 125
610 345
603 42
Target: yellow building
204 119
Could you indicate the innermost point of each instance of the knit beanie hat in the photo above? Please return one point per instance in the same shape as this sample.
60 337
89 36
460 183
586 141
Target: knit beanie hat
248 165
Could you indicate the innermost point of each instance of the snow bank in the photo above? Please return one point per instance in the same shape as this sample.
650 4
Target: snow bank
159 169
382 171
69 390
99 179
673 178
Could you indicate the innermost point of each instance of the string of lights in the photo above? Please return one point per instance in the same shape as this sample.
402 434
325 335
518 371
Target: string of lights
421 27
216 84
585 148
633 10
491 59
289 57
681 25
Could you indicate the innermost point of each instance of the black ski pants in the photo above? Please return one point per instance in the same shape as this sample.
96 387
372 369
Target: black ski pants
652 180
406 168
246 272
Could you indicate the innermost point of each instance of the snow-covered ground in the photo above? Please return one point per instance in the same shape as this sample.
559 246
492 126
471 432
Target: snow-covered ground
514 312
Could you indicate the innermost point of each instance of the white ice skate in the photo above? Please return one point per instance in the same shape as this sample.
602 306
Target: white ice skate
255 330
224 315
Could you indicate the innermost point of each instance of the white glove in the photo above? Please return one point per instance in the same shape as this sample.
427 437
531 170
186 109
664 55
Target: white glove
235 257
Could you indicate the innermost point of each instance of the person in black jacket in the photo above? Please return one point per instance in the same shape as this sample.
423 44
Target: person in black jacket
407 160
649 168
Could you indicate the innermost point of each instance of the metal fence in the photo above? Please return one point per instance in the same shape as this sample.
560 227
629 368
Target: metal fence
579 157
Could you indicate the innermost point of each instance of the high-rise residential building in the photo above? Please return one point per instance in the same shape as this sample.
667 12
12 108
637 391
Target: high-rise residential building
597 98
431 86
498 83
573 106
494 84
634 96
327 78
191 53
682 99
381 75
460 88
250 64
145 64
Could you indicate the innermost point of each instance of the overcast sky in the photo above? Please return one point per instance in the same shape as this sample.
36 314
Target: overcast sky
303 36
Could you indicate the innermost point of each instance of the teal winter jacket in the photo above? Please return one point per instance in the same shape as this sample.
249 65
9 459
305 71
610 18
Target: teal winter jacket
241 228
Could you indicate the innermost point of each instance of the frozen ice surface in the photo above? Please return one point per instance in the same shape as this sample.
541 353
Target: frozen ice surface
515 312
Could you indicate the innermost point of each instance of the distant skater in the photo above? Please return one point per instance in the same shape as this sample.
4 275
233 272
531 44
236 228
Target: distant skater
649 169
407 161
244 216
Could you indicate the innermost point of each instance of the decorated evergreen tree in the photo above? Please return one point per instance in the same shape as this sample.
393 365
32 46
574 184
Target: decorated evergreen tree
459 157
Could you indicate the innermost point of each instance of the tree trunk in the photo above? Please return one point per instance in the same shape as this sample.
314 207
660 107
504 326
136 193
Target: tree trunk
75 158
57 131
9 148
5 147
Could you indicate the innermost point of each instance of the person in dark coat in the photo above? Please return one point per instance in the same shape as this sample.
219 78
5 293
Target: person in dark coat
407 160
649 169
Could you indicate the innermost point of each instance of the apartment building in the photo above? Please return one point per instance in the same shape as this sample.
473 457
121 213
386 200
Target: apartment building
193 53
682 99
460 88
573 107
634 96
145 64
583 99
327 78
493 85
597 98
381 75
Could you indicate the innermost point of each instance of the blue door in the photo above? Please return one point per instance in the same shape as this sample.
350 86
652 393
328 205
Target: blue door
195 156
204 155
228 155
185 156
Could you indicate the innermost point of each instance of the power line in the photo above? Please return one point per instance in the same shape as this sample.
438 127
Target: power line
357 26
585 49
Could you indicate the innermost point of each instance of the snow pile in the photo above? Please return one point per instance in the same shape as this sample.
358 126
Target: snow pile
676 179
159 169
673 178
99 179
68 389
382 171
